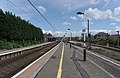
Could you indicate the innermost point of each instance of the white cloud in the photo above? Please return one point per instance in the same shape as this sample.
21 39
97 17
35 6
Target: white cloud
95 31
91 23
43 31
116 14
66 23
78 33
75 33
81 16
97 14
68 6
24 16
42 9
110 31
72 5
73 18
94 1
68 34
49 31
113 23
99 1
117 28
62 33
59 33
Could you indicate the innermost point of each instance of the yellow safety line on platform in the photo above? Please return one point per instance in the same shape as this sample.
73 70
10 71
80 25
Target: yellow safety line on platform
60 65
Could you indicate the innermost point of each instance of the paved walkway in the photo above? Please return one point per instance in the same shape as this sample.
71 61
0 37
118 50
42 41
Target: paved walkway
68 63
20 49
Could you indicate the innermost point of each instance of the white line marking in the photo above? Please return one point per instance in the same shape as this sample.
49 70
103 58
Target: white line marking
104 58
101 57
19 73
21 49
100 67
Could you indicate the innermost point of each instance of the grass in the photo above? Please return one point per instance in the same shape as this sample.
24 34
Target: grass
106 52
5 45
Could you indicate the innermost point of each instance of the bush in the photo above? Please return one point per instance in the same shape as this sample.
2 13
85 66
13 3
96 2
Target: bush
17 44
8 45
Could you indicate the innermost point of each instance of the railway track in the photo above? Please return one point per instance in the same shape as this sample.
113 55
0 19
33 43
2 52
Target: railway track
111 52
11 66
110 48
106 47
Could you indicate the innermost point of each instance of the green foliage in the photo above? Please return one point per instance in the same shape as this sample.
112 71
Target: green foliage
8 45
13 28
4 44
112 42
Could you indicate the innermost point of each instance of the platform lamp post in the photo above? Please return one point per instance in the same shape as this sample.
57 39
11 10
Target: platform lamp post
70 34
65 33
118 38
63 37
84 50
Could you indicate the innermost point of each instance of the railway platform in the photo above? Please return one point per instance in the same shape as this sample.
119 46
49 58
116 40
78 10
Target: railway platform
68 63
3 52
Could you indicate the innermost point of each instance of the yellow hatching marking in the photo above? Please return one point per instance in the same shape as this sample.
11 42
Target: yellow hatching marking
60 65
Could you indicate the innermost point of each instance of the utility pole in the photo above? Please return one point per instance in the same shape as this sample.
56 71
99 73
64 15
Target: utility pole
88 27
118 38
88 34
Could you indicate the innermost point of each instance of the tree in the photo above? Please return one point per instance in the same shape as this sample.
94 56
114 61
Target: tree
14 28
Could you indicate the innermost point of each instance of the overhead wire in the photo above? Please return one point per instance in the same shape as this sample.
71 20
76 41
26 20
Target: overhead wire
22 10
42 15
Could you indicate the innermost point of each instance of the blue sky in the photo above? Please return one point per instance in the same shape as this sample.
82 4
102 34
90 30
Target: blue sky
104 15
